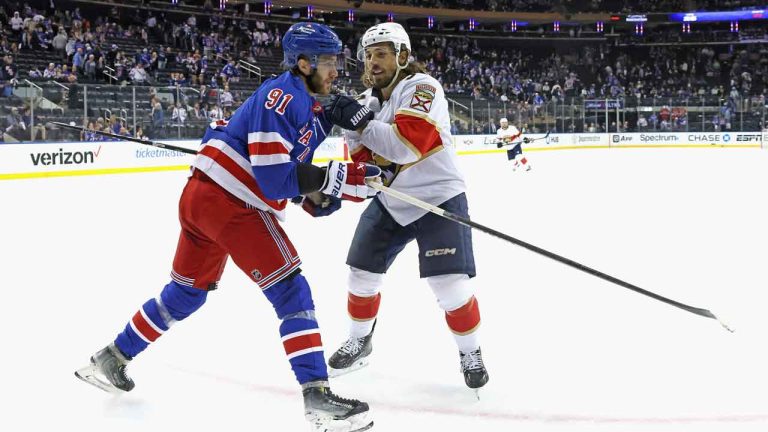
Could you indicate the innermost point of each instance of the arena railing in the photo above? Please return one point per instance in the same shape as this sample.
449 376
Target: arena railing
81 104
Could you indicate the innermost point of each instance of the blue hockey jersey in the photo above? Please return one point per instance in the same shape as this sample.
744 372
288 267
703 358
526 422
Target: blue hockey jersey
254 154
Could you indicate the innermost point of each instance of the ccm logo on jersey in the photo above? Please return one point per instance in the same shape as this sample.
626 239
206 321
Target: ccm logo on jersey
423 97
439 252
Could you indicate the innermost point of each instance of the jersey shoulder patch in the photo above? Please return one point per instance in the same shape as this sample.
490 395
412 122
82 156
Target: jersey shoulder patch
423 96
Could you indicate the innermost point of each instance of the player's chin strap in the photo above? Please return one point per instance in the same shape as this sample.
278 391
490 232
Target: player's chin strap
399 68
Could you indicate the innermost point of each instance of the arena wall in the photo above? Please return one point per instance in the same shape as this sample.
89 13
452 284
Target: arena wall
40 160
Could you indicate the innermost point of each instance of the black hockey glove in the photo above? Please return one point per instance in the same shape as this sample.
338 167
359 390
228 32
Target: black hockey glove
526 140
347 113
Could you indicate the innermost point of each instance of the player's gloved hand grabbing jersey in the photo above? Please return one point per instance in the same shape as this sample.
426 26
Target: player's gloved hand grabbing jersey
346 113
348 180
317 204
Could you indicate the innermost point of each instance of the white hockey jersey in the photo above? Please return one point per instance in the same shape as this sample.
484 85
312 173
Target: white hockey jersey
410 139
510 134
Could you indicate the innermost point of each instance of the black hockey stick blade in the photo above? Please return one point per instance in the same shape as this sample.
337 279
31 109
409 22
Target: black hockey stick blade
540 138
467 222
129 138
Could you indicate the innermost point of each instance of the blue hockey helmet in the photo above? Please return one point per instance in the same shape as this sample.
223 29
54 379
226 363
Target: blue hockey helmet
311 40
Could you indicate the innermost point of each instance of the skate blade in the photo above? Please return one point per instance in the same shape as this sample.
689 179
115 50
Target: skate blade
334 373
356 423
89 374
476 392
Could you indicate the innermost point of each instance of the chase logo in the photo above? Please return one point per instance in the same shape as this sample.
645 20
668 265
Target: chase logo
726 137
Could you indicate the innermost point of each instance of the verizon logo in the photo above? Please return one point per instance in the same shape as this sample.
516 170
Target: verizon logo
64 158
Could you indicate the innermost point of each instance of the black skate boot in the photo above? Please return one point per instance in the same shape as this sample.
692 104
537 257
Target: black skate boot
475 375
329 412
107 371
352 355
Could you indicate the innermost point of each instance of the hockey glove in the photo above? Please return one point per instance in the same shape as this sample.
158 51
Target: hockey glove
347 180
526 140
499 144
347 113
318 206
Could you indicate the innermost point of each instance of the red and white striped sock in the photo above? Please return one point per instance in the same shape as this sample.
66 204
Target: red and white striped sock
464 322
362 311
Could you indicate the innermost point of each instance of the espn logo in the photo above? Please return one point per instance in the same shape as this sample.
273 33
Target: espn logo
748 138
440 252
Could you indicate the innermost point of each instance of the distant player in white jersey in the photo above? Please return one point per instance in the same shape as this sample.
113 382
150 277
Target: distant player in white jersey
409 139
509 135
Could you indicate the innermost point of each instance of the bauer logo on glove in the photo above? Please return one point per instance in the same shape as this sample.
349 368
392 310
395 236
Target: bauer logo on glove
348 180
347 113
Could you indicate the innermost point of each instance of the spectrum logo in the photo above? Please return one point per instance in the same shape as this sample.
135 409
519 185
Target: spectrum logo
64 158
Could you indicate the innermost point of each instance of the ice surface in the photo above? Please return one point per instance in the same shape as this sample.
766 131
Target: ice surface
565 351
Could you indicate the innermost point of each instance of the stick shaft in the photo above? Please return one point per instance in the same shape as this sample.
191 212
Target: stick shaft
129 138
467 222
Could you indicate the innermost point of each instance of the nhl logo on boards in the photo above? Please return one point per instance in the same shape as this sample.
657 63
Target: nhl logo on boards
256 274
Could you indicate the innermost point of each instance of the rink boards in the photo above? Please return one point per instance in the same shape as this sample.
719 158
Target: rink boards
39 160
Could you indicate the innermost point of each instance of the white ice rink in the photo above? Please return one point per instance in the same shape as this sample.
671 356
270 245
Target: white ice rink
565 351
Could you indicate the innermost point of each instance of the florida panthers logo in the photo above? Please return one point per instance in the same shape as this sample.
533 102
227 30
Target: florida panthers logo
423 97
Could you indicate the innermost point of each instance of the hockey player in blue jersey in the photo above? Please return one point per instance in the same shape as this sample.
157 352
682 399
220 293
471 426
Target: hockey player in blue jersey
246 170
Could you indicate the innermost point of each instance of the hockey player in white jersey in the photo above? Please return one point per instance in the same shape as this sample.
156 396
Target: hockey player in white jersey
409 139
509 135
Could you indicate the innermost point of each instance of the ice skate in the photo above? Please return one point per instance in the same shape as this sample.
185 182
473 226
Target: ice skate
352 355
475 375
328 412
107 371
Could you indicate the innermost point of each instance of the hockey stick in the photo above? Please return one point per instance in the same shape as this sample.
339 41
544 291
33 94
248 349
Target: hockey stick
469 223
464 221
129 138
530 140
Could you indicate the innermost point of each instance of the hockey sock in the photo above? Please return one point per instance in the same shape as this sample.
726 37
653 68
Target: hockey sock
299 330
303 345
156 316
464 322
363 311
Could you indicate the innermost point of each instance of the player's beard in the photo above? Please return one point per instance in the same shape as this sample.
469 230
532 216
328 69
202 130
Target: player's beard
380 81
316 84
311 83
